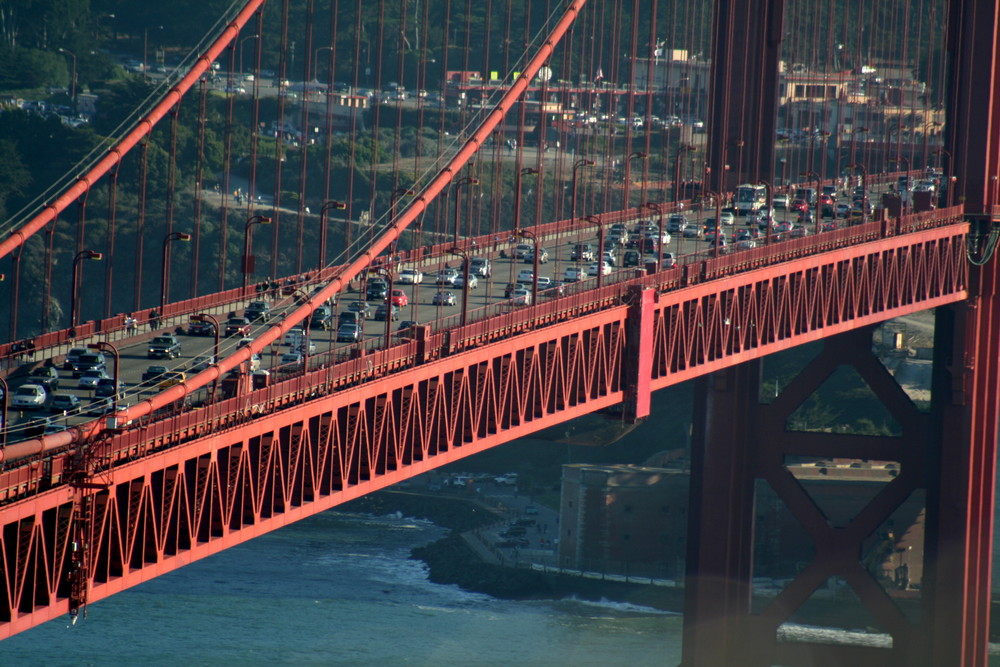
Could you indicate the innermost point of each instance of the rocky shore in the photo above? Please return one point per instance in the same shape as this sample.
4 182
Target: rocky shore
451 561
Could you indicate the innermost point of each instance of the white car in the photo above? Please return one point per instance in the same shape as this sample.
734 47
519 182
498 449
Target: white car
410 277
88 379
544 283
523 250
293 336
604 268
460 280
521 297
727 218
677 223
446 277
525 276
574 274
28 397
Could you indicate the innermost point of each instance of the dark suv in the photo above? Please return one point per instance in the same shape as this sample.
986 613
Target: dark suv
88 362
258 310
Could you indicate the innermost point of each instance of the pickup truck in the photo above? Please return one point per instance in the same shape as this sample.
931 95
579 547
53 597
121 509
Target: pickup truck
46 376
164 347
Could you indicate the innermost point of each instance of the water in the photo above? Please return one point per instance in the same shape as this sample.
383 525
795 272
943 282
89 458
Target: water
339 589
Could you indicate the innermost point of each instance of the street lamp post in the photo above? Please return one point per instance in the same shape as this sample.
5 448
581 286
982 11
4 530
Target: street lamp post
242 40
72 80
465 283
634 155
164 283
949 179
594 220
583 162
767 207
819 185
105 346
205 317
340 206
655 206
468 180
83 254
524 233
315 68
248 260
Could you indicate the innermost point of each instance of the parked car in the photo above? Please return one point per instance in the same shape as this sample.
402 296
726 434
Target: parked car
444 299
348 333
64 403
28 397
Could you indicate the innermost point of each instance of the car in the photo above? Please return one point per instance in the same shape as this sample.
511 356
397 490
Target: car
89 362
258 310
28 397
523 250
171 378
574 274
460 281
410 277
399 298
165 346
377 292
237 326
604 268
693 232
348 333
47 376
521 297
446 277
360 307
291 361
544 283
73 356
293 336
64 403
806 216
405 328
480 267
525 276
444 299
201 362
543 256
582 252
843 211
382 311
349 317
780 202
608 257
152 374
631 258
201 328
677 223
88 379
828 226
727 218
105 387
322 318
798 205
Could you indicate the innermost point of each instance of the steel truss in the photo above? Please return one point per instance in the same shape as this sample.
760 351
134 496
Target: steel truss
122 520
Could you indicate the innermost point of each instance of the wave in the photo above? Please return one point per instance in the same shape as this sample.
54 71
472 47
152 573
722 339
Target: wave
623 607
793 632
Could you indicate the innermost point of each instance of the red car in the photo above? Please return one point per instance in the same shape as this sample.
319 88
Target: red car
399 298
799 205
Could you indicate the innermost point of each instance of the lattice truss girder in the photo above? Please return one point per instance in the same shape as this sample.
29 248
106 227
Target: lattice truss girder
156 513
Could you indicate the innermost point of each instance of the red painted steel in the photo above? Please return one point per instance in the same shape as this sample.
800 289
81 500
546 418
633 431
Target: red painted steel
175 489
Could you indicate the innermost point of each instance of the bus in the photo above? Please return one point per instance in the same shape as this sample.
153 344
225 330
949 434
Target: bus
750 198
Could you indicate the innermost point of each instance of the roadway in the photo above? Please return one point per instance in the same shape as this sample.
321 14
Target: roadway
420 308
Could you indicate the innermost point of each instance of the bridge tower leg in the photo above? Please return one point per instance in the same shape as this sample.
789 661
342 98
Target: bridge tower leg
743 99
967 351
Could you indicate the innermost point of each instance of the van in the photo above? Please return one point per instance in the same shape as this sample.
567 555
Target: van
806 194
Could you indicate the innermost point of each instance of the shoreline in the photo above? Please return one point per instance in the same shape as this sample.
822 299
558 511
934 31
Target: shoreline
452 561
